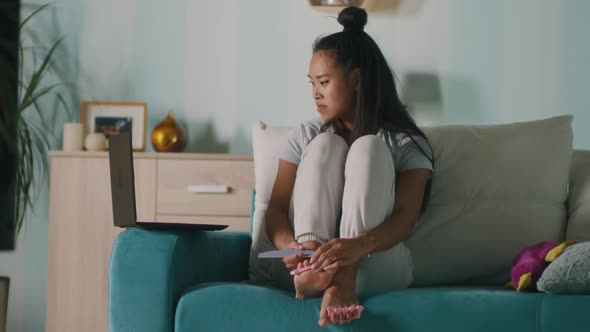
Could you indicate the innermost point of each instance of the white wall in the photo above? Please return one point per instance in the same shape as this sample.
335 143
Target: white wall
224 64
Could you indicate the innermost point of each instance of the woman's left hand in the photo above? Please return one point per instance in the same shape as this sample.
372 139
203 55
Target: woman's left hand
337 253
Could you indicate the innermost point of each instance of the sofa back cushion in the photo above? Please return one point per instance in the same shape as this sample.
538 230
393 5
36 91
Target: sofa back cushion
267 143
578 226
496 190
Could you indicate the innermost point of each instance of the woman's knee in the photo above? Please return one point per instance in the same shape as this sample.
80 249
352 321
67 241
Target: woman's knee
370 148
327 147
329 140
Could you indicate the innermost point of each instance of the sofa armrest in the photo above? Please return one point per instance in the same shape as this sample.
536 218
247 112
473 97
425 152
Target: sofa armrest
149 271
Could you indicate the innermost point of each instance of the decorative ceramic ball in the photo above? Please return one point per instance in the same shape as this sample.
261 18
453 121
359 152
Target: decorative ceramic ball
168 135
95 142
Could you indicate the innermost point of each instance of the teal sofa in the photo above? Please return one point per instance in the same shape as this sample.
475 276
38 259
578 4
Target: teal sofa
182 281
507 193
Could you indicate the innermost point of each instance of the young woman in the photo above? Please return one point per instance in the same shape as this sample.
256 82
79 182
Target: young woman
359 177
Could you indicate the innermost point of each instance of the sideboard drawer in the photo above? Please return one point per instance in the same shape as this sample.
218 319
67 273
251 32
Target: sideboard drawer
174 177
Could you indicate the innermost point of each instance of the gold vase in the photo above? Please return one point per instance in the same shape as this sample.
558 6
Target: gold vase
168 135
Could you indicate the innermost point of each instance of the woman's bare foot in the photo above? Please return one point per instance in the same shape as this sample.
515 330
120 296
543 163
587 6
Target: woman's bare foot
341 294
338 297
310 283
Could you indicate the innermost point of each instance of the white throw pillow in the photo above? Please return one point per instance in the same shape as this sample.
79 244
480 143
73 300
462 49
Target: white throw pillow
267 143
496 190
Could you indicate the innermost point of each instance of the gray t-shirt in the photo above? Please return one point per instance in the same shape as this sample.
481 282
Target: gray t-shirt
405 153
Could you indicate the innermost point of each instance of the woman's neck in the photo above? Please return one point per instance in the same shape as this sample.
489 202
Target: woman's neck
343 130
348 125
347 120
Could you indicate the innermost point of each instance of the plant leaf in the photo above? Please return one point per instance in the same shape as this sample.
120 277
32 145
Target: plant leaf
24 175
37 76
22 57
45 127
35 98
59 104
66 107
33 14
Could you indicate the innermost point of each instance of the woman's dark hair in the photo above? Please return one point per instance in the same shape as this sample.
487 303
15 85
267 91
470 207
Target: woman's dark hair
378 105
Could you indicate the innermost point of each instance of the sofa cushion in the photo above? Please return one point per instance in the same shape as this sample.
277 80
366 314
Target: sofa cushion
564 313
496 190
267 142
569 273
239 307
578 227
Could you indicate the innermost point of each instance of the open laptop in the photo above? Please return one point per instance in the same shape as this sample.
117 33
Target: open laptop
123 190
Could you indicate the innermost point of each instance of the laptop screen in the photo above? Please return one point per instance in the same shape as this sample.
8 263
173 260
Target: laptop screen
122 180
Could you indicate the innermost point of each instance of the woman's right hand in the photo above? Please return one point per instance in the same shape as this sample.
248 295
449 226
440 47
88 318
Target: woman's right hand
292 262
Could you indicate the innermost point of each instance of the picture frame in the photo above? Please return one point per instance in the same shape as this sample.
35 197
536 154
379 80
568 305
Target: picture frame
112 117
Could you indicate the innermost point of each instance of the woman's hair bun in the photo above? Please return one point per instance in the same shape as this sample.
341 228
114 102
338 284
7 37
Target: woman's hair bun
353 18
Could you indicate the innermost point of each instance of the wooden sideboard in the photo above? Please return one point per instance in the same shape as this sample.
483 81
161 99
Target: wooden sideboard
81 231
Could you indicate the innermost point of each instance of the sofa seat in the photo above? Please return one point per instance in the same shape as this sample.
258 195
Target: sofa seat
165 281
239 307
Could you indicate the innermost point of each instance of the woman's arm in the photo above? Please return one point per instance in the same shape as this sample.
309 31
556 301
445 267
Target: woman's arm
406 210
407 207
278 227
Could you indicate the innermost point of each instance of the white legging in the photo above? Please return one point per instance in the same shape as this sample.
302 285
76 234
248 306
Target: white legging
360 182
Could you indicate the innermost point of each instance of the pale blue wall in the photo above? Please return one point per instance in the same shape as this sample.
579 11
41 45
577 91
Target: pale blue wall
262 68
227 63
575 67
473 86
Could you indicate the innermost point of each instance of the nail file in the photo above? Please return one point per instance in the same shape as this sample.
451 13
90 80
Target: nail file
284 253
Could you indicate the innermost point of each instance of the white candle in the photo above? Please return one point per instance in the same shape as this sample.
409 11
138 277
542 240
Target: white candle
73 139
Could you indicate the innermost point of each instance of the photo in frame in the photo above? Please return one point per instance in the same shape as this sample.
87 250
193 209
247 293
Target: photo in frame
111 118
